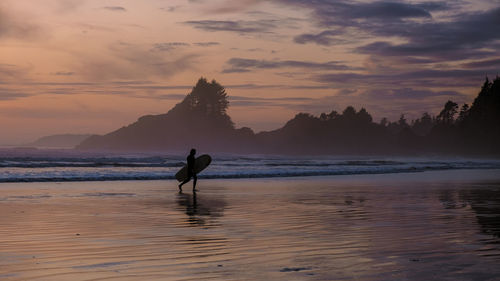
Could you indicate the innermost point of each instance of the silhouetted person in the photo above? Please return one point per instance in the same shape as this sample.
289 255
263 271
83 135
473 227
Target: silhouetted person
191 172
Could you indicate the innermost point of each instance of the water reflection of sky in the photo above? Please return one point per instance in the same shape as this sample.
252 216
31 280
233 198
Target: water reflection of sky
484 200
295 229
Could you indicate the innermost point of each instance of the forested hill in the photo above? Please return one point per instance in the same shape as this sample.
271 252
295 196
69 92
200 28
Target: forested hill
201 121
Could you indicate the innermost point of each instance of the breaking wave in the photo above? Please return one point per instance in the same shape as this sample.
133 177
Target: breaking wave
56 168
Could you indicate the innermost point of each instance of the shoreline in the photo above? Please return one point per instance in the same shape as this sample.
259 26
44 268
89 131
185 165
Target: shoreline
429 175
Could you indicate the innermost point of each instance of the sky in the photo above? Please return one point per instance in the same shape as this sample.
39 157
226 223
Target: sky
93 66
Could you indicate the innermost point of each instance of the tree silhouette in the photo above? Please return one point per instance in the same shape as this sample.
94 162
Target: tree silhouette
364 117
384 122
201 121
447 115
481 124
349 113
423 125
207 103
209 98
402 122
464 113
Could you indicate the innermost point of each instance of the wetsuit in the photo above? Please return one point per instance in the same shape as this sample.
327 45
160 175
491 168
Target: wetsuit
190 162
190 172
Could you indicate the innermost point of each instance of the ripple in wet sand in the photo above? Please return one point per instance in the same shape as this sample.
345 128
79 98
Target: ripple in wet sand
301 229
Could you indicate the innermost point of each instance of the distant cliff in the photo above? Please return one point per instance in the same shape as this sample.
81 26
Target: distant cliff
201 121
59 141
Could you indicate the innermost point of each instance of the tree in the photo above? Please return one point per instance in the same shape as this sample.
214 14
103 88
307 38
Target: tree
209 102
402 122
464 112
330 116
423 125
349 113
364 117
384 122
209 98
333 115
447 115
482 122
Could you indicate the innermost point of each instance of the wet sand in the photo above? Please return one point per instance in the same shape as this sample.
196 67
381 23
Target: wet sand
423 226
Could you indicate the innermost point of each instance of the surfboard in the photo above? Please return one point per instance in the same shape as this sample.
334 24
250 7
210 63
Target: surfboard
199 165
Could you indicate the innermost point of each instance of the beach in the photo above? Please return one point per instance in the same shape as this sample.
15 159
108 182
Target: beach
433 225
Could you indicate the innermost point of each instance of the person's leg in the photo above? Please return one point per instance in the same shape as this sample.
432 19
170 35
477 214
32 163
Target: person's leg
195 179
184 182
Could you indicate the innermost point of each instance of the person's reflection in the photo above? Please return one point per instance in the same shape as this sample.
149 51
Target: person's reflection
201 211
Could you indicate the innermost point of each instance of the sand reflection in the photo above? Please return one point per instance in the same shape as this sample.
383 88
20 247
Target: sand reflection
484 200
371 228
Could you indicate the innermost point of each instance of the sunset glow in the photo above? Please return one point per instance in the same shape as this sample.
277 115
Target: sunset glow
88 66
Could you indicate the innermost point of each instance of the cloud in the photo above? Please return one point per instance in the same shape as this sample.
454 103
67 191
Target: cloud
240 26
171 8
380 10
11 27
63 73
416 78
344 13
131 88
491 64
227 6
433 52
69 114
234 6
169 46
141 89
10 94
177 97
408 48
161 87
438 6
206 44
411 94
252 86
64 6
325 38
9 70
115 8
385 10
245 65
458 36
244 101
466 38
126 61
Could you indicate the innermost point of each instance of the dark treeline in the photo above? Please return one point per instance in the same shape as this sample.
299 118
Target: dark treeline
200 120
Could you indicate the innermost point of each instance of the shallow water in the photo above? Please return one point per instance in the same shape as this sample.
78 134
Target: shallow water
71 165
381 227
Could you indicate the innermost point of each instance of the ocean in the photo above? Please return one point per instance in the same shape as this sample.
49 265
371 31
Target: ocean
70 165
68 215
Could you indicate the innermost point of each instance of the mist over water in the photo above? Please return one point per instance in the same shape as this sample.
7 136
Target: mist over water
70 165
